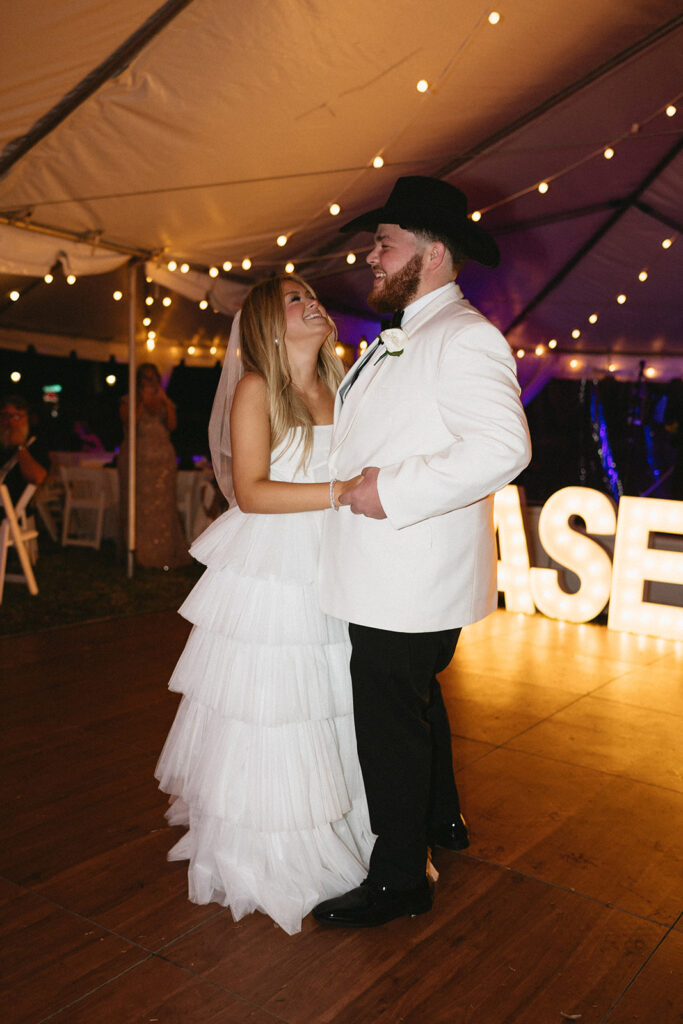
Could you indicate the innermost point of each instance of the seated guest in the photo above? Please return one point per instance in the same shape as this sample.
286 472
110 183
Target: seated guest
16 439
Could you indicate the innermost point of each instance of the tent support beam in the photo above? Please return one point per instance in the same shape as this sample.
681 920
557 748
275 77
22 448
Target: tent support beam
623 208
132 425
83 238
669 222
113 65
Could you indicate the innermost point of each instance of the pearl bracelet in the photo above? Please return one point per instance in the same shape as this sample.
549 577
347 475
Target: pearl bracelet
332 503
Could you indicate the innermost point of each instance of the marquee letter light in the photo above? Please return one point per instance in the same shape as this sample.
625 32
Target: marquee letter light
577 552
635 563
513 567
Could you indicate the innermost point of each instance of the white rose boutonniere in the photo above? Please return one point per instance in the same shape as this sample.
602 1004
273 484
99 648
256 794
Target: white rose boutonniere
394 341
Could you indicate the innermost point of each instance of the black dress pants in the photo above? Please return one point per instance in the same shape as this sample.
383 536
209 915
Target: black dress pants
404 745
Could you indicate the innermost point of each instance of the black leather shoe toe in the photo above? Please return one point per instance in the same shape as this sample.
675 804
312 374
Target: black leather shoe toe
370 905
450 835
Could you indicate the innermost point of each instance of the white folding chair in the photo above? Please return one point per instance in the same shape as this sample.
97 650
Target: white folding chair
18 530
84 503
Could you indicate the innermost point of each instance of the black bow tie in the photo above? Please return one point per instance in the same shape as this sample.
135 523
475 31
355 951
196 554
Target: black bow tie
396 318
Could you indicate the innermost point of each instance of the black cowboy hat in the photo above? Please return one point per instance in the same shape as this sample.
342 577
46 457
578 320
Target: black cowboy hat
418 203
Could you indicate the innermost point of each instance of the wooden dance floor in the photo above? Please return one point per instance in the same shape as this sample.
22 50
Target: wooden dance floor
567 906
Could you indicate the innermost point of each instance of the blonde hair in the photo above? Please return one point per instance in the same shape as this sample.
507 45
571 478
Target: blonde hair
262 332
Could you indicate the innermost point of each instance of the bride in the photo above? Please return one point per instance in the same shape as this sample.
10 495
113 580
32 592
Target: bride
261 759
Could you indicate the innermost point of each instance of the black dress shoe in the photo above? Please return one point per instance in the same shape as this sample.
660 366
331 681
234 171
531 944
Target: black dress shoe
370 905
451 835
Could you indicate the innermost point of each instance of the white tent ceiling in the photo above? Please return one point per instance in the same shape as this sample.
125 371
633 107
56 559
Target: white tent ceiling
203 129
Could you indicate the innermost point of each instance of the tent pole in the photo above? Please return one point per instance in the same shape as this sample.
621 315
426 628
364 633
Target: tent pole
132 403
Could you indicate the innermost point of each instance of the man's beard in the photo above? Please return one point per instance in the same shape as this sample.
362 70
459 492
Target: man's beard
398 289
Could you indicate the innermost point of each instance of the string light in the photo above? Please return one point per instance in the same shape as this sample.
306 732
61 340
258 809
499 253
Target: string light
117 296
670 110
552 343
574 363
642 276
191 350
520 353
147 321
213 271
650 372
246 263
110 379
339 349
172 265
422 85
362 345
335 209
281 240
289 268
539 350
608 153
203 304
476 215
149 300
150 344
166 301
15 296
543 187
213 350
667 243
184 268
612 367
351 258
15 376
593 318
48 279
621 299
576 333
151 335
378 161
494 18
71 279
227 266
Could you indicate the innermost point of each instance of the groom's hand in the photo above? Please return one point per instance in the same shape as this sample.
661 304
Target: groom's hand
363 499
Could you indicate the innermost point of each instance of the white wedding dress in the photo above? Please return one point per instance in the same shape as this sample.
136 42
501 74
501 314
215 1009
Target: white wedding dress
261 758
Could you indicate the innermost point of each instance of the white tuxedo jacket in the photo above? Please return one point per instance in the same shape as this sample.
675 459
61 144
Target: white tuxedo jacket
444 423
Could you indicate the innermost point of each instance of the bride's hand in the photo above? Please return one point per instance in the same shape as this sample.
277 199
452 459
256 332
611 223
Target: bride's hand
342 486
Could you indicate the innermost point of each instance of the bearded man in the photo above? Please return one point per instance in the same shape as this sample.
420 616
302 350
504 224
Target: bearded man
432 416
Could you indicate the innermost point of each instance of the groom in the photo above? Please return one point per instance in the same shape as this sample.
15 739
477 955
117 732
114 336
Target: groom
432 416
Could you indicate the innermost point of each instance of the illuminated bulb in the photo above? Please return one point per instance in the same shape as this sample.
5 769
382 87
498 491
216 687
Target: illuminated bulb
191 350
335 209
289 268
612 367
147 321
520 353
110 379
573 363
166 301
71 279
351 258
476 215
15 376
378 162
494 18
281 240
203 304
552 343
593 318
621 299
151 335
148 280
362 345
246 263
543 187
642 276
48 279
213 271
422 85
671 110
117 296
576 333
213 350
666 244
227 266
15 296
339 349
149 301
150 344
539 350
184 268
608 153
650 371
172 265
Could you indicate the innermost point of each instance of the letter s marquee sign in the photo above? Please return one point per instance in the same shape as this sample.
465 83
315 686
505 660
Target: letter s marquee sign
620 582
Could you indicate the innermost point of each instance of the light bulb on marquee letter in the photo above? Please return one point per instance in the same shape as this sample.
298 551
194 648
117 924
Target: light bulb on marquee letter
513 567
635 563
576 552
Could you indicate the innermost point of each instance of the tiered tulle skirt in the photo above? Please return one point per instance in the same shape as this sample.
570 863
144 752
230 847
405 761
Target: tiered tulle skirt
261 758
